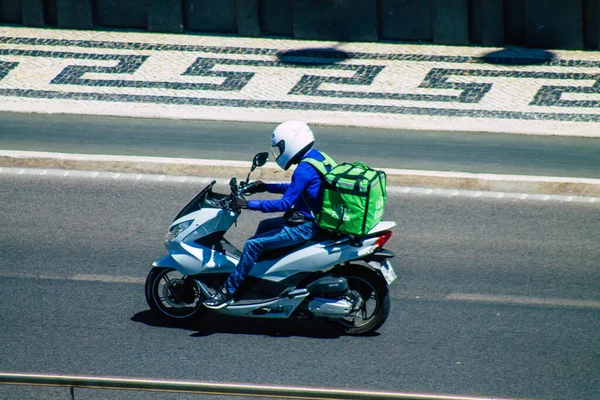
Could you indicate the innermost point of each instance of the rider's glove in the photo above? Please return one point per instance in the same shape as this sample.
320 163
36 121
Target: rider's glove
256 187
239 203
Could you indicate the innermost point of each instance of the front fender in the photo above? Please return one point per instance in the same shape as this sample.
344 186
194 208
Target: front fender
166 262
184 263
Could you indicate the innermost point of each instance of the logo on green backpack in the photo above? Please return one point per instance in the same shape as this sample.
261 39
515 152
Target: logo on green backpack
378 209
339 208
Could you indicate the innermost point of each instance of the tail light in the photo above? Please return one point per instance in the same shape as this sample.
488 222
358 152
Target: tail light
381 240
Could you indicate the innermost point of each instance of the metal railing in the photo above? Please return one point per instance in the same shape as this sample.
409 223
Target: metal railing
210 388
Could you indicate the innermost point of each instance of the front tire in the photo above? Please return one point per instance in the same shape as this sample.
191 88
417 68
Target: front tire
173 296
376 301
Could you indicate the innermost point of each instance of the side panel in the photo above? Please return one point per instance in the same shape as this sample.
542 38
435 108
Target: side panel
193 263
383 226
284 308
317 257
199 217
204 223
204 260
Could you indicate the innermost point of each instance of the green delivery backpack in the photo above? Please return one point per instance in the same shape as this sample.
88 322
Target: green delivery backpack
354 196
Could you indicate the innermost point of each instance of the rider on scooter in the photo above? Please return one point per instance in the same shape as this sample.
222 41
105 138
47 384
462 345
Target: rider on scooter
291 142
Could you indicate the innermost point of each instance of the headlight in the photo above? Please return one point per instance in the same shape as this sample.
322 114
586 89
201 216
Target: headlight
175 231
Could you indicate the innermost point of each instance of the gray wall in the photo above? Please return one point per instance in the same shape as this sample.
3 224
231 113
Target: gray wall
568 24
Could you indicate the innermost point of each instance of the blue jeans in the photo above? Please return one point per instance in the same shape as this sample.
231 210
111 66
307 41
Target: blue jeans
270 234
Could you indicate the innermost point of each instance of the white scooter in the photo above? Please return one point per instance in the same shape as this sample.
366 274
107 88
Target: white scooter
332 276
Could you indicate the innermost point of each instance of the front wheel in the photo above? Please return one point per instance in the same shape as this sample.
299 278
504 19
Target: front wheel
376 302
172 296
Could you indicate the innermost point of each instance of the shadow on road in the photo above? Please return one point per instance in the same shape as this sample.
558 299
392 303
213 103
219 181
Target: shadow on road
149 318
519 56
313 56
213 323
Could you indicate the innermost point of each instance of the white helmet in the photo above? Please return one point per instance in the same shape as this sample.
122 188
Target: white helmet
290 141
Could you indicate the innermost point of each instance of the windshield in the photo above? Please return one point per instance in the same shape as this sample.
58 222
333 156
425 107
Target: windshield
196 203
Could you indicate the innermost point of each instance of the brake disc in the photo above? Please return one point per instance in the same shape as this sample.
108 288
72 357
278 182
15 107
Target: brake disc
173 293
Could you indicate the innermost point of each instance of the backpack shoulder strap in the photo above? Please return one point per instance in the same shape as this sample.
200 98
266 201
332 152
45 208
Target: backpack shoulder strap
321 166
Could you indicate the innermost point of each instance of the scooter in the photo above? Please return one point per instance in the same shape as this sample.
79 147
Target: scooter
335 277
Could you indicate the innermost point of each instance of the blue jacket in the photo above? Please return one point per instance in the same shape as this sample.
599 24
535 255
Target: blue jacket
305 179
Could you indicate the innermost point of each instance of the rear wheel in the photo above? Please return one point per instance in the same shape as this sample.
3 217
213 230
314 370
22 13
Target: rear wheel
375 296
173 296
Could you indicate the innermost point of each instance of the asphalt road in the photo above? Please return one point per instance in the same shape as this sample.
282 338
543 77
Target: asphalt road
421 150
495 298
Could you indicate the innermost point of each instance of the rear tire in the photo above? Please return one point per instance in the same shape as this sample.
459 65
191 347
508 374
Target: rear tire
376 297
172 297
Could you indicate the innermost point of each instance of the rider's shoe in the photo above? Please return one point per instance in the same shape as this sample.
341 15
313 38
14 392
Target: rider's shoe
221 298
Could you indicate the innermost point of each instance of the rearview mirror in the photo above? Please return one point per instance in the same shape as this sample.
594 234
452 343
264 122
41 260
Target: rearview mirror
260 159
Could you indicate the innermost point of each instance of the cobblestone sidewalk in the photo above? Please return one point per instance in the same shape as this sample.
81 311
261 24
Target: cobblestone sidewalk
361 84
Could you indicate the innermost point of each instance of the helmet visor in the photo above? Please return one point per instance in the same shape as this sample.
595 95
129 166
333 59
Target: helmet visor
278 149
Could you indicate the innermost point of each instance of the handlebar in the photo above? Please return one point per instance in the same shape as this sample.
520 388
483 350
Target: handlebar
237 191
247 187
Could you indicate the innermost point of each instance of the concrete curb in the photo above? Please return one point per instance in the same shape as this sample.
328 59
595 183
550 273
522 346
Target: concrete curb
225 169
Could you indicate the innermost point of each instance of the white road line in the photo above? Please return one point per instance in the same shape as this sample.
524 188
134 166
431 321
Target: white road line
458 297
30 276
193 180
106 278
77 277
523 300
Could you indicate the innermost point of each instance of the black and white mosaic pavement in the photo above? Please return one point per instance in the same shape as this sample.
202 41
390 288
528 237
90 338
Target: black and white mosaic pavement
346 83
